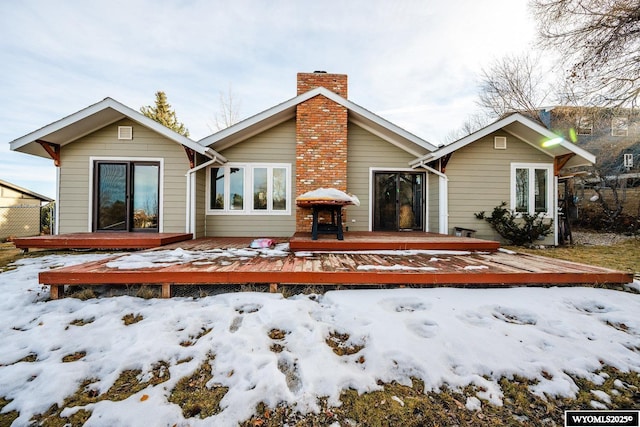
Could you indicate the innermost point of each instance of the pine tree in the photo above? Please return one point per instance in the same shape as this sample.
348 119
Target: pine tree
163 114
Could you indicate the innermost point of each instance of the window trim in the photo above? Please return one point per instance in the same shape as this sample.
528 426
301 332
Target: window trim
550 185
614 128
582 128
248 208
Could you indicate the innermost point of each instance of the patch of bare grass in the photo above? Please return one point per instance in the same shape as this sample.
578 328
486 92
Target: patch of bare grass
128 383
130 318
623 256
7 418
342 345
194 397
403 405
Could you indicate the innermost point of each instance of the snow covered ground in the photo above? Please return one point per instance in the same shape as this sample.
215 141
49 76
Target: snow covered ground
442 336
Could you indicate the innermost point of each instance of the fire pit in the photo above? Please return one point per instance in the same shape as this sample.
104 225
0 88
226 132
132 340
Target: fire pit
326 200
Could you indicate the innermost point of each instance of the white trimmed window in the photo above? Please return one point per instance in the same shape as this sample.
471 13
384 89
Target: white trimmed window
585 125
620 126
532 188
249 188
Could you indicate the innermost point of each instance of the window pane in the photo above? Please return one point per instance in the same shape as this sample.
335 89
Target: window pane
541 190
522 190
260 188
279 189
216 199
236 185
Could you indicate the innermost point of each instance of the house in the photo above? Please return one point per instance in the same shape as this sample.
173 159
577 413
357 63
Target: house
19 211
118 170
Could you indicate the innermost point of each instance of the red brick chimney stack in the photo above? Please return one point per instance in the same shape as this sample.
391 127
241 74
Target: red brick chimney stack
321 139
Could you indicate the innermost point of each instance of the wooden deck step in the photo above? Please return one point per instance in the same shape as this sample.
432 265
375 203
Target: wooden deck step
406 240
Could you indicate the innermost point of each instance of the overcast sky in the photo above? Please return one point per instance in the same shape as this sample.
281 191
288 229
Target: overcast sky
415 63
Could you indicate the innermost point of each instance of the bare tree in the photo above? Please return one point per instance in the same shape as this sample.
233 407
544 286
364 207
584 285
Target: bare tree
600 42
513 83
229 109
473 123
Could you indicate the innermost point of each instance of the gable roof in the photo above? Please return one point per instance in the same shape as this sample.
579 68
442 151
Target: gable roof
92 118
24 191
287 110
524 129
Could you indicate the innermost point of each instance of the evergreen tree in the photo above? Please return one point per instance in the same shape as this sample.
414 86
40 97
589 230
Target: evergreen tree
163 114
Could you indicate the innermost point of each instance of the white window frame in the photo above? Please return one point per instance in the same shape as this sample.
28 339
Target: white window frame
550 187
248 189
614 127
582 129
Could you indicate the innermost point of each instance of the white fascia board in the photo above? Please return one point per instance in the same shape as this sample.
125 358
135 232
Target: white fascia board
493 127
118 107
368 115
255 120
286 110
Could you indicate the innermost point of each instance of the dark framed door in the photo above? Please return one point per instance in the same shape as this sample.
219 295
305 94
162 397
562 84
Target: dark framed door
398 201
126 196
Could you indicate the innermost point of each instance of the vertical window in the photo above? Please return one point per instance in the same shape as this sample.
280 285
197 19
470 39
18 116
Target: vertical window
522 190
279 189
540 188
236 189
260 188
217 189
531 188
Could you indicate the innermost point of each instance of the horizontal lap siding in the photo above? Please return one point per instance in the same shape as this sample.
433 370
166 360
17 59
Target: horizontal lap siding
479 180
276 145
74 204
364 151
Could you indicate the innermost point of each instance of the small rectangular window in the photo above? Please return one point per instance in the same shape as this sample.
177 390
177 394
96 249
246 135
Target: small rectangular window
585 125
620 126
628 160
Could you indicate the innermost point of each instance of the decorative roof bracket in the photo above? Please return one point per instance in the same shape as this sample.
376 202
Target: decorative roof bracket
52 149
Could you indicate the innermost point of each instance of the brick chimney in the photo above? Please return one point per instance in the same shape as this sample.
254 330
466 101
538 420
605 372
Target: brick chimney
321 139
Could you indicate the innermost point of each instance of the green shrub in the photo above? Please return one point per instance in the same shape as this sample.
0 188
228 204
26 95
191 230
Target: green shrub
520 229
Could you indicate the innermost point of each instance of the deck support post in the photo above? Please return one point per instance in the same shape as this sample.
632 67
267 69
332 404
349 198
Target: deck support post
56 291
166 290
273 288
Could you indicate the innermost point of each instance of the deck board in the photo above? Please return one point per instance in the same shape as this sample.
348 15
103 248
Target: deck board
348 268
106 240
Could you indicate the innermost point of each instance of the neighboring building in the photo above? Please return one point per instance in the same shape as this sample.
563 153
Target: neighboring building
612 134
19 211
118 170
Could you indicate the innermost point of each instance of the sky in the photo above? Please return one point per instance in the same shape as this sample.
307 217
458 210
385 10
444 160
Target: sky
415 63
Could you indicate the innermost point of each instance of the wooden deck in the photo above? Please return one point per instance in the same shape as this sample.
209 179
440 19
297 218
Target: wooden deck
106 240
403 240
207 265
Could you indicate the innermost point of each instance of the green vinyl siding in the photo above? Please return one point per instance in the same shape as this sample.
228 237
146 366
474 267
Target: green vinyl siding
276 145
365 151
479 180
74 199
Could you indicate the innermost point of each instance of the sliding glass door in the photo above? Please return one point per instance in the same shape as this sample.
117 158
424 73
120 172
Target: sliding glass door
398 201
126 196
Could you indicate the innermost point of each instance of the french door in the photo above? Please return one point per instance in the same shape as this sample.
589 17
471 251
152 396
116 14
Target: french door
126 196
398 201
